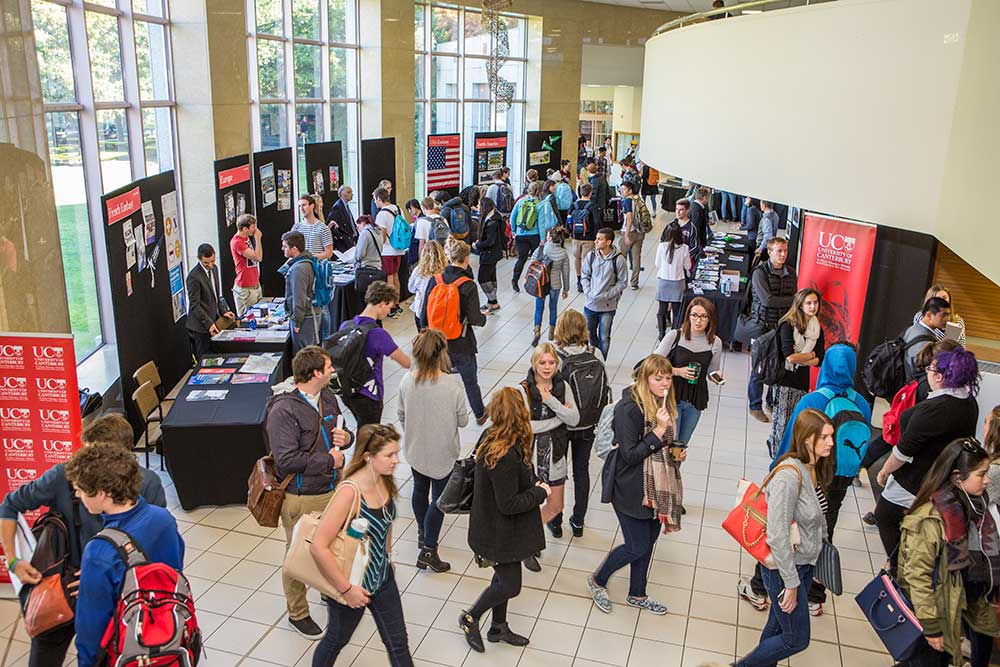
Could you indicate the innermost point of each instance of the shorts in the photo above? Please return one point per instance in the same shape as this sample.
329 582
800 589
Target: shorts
390 264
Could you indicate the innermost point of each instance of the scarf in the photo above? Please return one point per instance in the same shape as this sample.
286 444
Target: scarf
972 544
662 489
804 342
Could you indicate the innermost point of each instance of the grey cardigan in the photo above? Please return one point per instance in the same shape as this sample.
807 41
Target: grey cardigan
431 414
790 500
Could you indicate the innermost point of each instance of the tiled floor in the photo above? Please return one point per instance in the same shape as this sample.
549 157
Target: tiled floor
234 565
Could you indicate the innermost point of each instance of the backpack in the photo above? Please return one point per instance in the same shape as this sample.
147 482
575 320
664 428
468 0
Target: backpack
766 359
401 234
884 372
347 355
588 380
154 619
904 399
604 434
49 604
505 199
458 221
444 307
851 433
640 215
527 215
323 282
564 196
579 221
536 280
440 231
547 218
653 177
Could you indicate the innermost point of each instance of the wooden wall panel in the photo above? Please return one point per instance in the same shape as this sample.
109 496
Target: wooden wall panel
975 295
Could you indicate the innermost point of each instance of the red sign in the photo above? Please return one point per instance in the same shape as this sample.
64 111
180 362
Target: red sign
39 407
491 142
234 176
446 140
123 206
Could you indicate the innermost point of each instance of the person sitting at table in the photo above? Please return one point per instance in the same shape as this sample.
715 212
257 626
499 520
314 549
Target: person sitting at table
306 442
205 301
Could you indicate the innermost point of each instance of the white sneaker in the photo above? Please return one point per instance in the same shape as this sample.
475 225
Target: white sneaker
758 602
815 608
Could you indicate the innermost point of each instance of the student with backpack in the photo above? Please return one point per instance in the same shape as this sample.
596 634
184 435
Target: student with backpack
583 221
300 290
524 222
500 194
582 369
673 265
604 280
548 209
490 248
396 234
432 262
451 306
650 184
459 217
107 480
548 271
636 225
430 226
564 196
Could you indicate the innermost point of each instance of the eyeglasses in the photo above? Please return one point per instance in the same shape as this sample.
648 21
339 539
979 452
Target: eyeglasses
932 369
696 316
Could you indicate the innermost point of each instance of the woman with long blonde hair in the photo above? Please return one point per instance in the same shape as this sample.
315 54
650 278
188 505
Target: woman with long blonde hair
942 292
432 262
645 491
505 526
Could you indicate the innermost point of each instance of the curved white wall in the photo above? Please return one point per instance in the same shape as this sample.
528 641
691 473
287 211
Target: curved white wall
844 107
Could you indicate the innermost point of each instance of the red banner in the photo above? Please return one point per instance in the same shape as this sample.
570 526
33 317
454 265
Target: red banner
39 409
234 176
491 142
123 206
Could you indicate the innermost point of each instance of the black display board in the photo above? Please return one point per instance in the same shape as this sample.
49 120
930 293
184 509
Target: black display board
489 153
378 162
325 172
147 282
233 196
275 214
542 151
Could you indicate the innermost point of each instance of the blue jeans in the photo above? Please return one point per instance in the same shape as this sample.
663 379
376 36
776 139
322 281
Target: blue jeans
386 609
784 634
730 207
640 538
325 325
553 308
427 514
755 391
599 328
687 420
465 365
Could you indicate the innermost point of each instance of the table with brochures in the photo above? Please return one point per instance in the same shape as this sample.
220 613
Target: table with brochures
733 255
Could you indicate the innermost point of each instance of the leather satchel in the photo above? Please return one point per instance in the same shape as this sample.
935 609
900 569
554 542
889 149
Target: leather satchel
47 606
456 498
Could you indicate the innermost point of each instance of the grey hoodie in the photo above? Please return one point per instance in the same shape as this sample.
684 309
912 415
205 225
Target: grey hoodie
300 288
559 271
604 279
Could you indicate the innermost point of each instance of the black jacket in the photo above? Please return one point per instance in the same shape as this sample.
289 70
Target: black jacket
926 429
490 244
342 226
596 219
699 218
799 378
470 316
505 525
771 293
204 305
634 445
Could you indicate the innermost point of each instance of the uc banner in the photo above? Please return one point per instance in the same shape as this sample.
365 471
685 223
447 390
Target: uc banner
836 260
39 408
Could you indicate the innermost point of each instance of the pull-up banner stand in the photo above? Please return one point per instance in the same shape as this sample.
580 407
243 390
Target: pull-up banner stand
378 162
444 163
543 150
146 265
489 154
275 210
325 172
233 197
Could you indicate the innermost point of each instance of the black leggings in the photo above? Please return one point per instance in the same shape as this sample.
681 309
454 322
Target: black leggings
525 246
889 520
661 316
506 585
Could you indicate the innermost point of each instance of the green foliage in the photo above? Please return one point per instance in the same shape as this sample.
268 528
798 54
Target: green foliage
52 48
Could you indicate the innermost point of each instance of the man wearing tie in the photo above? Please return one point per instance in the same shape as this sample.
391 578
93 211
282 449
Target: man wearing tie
341 221
205 300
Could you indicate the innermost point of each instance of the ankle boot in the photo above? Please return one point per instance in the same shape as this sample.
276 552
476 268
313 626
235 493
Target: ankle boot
552 333
429 558
503 633
538 335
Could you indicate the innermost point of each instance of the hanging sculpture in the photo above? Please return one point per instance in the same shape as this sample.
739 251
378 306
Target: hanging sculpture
501 90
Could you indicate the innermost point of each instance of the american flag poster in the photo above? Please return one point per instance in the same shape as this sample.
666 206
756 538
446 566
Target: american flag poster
444 156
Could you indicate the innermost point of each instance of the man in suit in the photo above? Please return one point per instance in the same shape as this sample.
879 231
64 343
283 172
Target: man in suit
699 217
205 300
341 221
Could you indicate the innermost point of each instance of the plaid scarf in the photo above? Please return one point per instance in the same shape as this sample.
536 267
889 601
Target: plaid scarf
662 489
972 544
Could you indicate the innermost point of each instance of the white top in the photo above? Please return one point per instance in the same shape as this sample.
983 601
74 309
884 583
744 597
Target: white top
384 219
422 228
678 268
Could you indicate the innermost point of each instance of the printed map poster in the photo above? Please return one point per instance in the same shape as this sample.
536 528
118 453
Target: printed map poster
268 190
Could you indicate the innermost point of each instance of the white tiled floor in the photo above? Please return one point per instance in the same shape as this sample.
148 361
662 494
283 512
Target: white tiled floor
234 565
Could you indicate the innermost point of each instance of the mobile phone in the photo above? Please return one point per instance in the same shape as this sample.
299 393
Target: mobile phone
781 596
340 421
716 377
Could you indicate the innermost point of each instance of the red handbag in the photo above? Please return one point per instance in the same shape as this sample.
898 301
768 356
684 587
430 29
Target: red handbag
747 521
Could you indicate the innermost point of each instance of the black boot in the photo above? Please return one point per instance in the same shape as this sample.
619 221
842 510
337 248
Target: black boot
470 628
429 558
503 633
531 562
555 528
514 286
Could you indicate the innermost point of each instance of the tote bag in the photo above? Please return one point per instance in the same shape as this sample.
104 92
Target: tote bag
890 613
747 521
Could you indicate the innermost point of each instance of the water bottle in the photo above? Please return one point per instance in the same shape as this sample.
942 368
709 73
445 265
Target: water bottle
358 528
251 321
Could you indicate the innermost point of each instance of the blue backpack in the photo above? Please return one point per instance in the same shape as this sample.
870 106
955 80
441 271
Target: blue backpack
579 222
458 221
851 432
402 232
547 218
564 196
323 281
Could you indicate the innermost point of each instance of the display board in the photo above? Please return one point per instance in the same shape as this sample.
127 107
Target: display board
274 206
233 197
146 264
542 151
378 162
325 172
489 154
444 164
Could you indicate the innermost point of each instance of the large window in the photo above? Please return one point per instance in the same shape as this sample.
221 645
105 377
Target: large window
304 78
452 90
108 90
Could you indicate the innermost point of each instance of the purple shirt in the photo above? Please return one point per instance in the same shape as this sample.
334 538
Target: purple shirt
378 344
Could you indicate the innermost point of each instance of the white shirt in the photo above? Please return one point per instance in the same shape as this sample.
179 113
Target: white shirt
422 229
384 220
678 268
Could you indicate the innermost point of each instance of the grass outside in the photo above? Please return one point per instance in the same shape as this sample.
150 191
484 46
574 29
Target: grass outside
81 284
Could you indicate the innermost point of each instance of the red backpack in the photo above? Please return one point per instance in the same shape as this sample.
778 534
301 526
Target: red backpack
904 399
444 307
153 623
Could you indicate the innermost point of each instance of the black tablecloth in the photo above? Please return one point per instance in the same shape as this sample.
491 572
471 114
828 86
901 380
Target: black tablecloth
670 195
727 308
347 303
210 446
254 347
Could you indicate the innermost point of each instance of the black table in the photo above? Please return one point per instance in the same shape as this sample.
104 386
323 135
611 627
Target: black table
670 195
346 303
728 308
210 446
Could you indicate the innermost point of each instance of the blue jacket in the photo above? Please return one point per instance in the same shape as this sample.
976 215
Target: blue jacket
837 375
103 570
54 491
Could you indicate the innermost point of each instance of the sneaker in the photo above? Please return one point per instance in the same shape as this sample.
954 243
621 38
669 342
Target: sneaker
857 482
758 602
599 594
307 628
760 416
494 307
815 608
651 606
577 529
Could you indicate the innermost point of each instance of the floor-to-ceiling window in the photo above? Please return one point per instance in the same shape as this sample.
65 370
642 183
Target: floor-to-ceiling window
107 85
452 92
304 78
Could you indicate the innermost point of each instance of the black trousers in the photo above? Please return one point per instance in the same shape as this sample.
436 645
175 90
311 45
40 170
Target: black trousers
661 316
506 585
366 410
889 520
201 343
580 445
875 457
525 246
49 648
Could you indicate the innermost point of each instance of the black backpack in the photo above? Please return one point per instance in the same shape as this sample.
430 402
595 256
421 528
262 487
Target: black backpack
766 359
347 354
588 380
505 200
884 372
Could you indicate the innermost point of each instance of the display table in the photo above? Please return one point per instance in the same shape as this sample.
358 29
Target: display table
210 446
346 303
736 257
669 196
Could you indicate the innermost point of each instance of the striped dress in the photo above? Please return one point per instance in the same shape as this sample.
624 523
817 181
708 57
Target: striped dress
379 522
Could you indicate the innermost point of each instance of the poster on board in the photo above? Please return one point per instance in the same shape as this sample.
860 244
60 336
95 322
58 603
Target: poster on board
543 151
444 158
489 154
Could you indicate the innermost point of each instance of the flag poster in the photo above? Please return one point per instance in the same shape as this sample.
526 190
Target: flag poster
444 156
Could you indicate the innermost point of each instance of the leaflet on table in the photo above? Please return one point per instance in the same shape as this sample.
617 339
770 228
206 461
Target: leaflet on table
236 360
208 378
217 371
207 395
261 363
213 361
250 378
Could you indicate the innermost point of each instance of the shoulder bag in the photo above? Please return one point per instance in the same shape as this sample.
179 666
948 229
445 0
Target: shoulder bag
747 521
456 498
828 569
